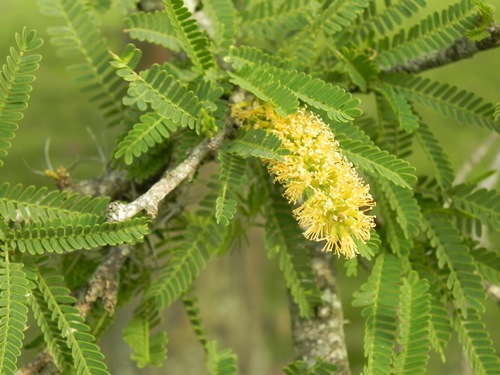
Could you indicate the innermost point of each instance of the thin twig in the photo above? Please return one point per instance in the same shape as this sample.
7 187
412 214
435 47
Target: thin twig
492 181
151 200
461 49
493 292
112 183
478 155
104 283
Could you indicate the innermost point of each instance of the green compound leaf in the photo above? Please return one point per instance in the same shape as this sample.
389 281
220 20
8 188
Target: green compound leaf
454 257
475 338
148 348
379 19
167 95
152 129
378 162
437 31
58 236
16 77
338 104
32 204
199 244
359 67
15 290
339 15
380 298
87 357
440 329
221 362
275 20
482 203
488 264
461 105
266 87
440 162
153 27
401 109
414 335
192 40
190 303
232 171
257 143
156 87
404 205
319 367
80 35
395 236
56 343
225 21
283 238
247 55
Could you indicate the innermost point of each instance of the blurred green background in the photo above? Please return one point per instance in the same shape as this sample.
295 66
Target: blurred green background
242 296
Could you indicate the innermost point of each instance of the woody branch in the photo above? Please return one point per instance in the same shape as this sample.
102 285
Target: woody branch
150 200
459 50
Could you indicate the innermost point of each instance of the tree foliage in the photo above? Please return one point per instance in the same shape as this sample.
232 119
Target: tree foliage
250 65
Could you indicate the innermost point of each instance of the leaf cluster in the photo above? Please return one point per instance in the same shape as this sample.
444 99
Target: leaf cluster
37 222
426 271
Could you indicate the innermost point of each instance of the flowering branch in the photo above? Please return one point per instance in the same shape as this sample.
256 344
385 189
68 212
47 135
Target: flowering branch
150 200
333 205
335 199
461 49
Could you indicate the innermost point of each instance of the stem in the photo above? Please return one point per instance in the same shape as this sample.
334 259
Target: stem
43 363
460 49
493 292
104 282
475 158
150 200
323 335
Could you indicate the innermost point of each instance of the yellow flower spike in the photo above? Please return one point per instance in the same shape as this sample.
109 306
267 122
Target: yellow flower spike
315 169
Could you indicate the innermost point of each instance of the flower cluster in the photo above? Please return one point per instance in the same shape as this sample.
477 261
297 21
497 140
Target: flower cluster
333 199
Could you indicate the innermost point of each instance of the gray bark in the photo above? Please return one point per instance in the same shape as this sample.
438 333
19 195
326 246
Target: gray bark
323 335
